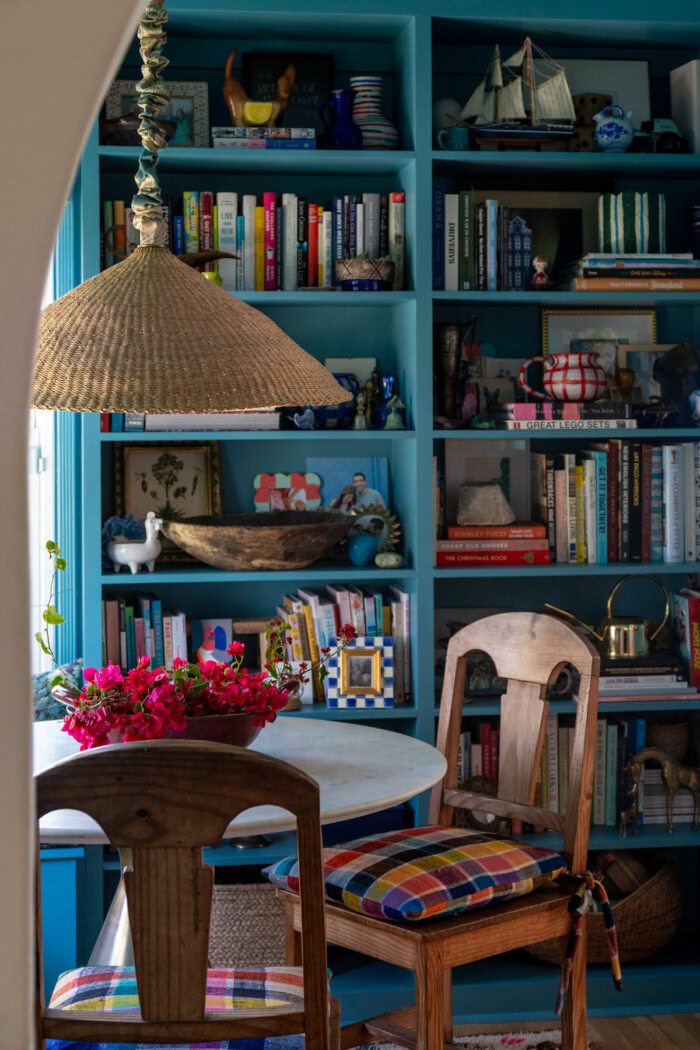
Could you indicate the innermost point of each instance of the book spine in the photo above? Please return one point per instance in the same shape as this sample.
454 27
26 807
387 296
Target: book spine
569 424
561 514
496 532
438 235
599 772
625 491
361 233
157 620
492 545
696 456
399 644
485 737
590 486
337 236
495 748
352 227
530 557
371 213
314 652
612 284
279 247
130 637
107 234
249 242
552 763
119 238
242 248
167 642
581 553
269 242
140 637
476 760
259 248
566 410
466 237
206 226
551 506
383 225
646 502
601 459
227 232
321 246
689 500
302 242
635 501
451 246
190 213
491 246
614 501
611 776
312 271
397 238
571 530
178 234
644 272
563 749
289 237
328 261
357 609
673 546
481 247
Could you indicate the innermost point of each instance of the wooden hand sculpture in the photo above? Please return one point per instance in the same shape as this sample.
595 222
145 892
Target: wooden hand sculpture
246 112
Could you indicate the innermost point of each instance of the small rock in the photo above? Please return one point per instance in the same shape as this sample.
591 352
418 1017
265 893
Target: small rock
483 503
389 560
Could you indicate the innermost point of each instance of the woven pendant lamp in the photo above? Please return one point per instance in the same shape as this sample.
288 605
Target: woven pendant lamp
150 334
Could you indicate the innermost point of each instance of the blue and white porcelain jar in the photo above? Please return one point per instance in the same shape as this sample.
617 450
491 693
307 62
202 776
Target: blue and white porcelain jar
614 132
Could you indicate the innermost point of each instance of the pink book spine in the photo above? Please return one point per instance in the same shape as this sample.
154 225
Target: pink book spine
270 273
140 637
560 498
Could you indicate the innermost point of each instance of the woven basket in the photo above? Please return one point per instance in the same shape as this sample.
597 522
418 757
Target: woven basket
247 926
645 921
671 737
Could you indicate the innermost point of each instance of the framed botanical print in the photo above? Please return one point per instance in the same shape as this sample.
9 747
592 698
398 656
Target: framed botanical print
175 480
362 674
561 327
187 108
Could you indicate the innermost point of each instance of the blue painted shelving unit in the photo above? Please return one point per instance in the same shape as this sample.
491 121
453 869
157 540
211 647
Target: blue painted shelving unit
423 51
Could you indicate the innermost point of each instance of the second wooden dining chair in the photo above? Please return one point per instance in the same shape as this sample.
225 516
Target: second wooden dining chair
160 803
529 650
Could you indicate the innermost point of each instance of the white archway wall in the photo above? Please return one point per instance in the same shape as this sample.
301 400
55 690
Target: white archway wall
57 58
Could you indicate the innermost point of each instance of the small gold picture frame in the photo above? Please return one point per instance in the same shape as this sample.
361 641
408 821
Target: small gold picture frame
361 672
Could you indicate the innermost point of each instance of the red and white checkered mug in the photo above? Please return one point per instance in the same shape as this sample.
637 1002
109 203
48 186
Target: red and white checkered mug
568 377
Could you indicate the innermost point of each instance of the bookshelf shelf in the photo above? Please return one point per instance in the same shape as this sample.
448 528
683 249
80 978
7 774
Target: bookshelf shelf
556 570
601 165
185 576
137 436
320 298
568 707
117 159
580 299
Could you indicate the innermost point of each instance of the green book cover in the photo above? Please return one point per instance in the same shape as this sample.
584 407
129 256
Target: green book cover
466 241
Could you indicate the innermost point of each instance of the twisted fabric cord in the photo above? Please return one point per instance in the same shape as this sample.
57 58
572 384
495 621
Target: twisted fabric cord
589 886
147 202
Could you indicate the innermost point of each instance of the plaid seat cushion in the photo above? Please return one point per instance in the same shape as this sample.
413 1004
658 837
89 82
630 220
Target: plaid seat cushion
426 873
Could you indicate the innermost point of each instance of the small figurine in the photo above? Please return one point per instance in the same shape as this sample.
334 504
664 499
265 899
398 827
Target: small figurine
540 281
394 420
248 113
624 380
135 553
674 776
360 420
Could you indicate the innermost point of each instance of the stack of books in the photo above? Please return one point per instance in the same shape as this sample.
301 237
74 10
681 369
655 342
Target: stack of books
564 415
634 273
523 544
120 422
654 804
263 138
660 676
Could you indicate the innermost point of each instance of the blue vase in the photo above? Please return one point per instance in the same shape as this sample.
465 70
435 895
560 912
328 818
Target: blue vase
362 548
337 417
341 131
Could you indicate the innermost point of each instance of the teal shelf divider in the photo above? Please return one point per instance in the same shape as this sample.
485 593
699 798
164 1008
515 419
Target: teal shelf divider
205 160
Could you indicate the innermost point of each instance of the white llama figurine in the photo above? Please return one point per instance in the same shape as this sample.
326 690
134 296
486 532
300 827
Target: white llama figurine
138 553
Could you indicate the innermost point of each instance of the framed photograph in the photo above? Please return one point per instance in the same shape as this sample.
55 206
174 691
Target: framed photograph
641 358
174 480
287 492
362 674
188 108
350 482
379 522
561 327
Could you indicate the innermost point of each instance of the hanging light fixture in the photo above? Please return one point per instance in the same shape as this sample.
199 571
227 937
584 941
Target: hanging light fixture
150 334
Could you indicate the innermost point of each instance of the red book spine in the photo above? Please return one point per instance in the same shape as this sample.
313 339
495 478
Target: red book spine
206 226
496 532
493 558
485 737
312 256
614 501
270 272
646 501
516 827
494 753
693 641
105 422
492 545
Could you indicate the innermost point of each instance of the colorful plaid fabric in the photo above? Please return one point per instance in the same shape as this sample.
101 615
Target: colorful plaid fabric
426 873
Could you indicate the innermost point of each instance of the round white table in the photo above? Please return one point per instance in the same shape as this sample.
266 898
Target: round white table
359 770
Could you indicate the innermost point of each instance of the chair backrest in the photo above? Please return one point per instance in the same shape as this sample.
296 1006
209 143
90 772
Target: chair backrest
160 802
529 650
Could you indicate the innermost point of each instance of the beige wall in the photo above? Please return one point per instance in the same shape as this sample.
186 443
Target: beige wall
56 60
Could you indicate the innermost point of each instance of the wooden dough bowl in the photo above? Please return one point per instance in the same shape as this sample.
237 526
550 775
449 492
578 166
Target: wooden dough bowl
272 540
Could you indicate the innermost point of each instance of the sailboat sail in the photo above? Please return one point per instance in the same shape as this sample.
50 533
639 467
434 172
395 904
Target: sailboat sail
554 99
516 60
510 101
480 107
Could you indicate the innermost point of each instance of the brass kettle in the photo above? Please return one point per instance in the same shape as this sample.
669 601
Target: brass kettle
622 637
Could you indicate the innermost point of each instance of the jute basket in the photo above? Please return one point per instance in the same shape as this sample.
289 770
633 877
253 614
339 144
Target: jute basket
645 921
247 926
671 737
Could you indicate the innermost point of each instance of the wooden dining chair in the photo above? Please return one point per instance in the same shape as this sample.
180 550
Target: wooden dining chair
530 650
160 802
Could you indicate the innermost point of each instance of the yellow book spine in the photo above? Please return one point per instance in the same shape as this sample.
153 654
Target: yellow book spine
386 621
313 651
293 621
580 514
320 247
259 249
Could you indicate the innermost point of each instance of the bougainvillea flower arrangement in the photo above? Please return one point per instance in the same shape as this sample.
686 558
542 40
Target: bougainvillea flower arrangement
148 704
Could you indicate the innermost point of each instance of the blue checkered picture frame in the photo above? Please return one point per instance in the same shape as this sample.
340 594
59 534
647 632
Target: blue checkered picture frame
334 696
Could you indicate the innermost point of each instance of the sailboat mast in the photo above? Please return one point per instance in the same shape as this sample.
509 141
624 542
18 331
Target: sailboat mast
497 82
530 77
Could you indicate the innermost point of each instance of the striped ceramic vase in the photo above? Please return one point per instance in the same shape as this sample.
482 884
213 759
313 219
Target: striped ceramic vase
377 131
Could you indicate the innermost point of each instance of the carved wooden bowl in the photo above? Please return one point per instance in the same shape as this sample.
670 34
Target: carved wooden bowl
265 540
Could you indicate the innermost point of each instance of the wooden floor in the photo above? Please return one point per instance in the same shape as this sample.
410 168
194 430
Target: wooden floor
661 1032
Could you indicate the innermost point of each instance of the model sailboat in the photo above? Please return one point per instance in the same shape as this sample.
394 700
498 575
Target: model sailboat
520 98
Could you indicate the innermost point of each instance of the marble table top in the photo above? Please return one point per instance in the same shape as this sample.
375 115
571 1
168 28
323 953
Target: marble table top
360 770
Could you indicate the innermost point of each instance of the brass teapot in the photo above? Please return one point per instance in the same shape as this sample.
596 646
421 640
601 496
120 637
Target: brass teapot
622 637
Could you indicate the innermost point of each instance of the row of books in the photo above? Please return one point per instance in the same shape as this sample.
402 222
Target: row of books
126 422
263 138
564 415
139 626
667 272
283 242
617 741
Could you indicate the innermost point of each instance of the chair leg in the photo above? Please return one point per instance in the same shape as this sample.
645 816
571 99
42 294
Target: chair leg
335 1024
573 1019
447 1004
430 1002
292 938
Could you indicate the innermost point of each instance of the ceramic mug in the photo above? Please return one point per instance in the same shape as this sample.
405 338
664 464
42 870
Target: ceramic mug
453 138
568 377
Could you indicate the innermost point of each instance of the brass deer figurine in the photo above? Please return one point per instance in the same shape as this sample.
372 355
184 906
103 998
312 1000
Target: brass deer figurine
238 102
674 775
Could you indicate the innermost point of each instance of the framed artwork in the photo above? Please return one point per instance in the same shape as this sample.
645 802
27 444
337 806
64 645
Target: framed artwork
348 482
641 358
174 480
379 522
561 327
362 674
287 492
188 108
606 349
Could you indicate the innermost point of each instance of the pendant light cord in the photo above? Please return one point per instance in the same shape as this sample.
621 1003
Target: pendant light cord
152 95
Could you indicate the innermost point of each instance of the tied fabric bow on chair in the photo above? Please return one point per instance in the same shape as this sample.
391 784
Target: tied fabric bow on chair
590 886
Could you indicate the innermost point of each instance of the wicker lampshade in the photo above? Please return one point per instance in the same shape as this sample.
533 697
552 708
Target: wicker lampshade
152 335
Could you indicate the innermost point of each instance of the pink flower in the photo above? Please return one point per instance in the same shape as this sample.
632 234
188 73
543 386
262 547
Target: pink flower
347 633
108 677
236 649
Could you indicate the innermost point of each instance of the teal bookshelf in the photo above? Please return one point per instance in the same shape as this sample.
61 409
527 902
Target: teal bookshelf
423 51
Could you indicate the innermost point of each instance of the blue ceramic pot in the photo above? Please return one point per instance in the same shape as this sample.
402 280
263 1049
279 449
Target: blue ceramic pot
362 548
614 132
337 417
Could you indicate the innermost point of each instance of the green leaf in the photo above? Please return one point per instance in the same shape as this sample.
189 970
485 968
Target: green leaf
42 643
322 672
52 616
58 679
52 547
60 563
